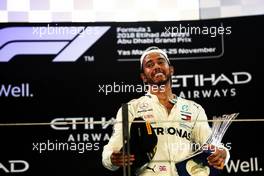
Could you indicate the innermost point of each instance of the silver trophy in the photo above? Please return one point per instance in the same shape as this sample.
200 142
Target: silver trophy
220 125
196 163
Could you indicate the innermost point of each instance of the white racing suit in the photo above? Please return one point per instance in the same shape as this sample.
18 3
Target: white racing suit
175 131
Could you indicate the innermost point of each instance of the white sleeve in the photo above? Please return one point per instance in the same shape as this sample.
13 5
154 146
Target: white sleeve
115 143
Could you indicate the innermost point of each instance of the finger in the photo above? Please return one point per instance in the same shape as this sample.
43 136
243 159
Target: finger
120 160
217 164
120 163
125 163
214 158
220 166
119 155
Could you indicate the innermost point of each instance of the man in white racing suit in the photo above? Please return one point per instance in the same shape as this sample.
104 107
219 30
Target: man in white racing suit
178 123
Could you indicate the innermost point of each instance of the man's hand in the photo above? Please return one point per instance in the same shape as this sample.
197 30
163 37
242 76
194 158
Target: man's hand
217 158
117 159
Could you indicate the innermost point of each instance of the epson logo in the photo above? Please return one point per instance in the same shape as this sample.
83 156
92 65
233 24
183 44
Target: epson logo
85 123
14 166
16 91
200 80
67 43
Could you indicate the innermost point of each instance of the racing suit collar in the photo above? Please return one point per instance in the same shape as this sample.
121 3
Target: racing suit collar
154 97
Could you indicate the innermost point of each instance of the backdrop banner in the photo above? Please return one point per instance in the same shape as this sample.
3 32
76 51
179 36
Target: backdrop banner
58 80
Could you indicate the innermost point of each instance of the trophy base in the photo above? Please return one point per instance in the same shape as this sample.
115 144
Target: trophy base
197 165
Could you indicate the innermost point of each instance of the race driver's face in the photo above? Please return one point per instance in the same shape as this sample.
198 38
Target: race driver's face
156 69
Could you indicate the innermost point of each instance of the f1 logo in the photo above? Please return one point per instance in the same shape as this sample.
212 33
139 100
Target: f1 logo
68 43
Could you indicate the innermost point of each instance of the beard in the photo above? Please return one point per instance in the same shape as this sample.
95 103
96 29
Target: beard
158 82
